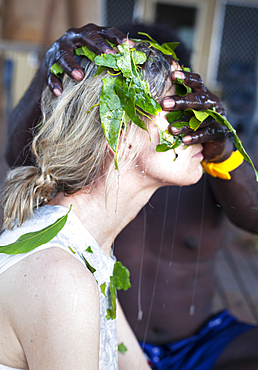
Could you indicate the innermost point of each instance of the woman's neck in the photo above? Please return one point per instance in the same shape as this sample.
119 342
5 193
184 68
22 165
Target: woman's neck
105 218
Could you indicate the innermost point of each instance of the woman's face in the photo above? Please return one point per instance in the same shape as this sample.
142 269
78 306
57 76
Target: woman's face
162 168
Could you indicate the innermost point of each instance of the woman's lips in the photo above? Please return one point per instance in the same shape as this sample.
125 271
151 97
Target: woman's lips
199 154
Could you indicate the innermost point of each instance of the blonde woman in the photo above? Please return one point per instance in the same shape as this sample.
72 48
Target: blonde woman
52 310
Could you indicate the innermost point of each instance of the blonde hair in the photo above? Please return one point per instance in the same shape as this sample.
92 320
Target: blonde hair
70 148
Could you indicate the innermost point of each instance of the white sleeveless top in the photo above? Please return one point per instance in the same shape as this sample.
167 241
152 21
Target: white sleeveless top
79 239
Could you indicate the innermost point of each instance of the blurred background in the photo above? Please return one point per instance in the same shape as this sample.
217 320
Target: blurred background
222 39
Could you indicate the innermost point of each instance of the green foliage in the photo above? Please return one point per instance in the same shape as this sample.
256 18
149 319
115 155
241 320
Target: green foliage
111 312
27 242
121 96
103 288
127 95
89 250
121 276
71 249
86 52
197 117
119 280
88 265
167 141
122 348
56 69
166 48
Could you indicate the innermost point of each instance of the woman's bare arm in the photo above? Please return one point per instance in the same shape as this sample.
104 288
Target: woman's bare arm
53 306
134 357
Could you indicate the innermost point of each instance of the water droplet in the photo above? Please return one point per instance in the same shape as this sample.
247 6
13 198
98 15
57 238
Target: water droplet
140 314
192 309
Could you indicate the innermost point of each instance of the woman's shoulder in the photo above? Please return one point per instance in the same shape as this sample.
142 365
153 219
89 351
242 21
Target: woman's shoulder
50 268
43 294
48 281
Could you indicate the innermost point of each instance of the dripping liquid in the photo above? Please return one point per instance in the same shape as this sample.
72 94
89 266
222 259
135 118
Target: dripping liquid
157 268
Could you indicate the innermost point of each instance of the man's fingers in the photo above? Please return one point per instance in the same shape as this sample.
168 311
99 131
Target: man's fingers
197 100
204 135
115 36
55 84
191 79
62 51
69 65
96 37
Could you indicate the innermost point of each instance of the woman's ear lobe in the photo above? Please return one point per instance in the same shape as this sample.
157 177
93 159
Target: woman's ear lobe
110 151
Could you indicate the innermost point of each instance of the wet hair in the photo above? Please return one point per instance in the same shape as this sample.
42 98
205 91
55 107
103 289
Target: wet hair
70 148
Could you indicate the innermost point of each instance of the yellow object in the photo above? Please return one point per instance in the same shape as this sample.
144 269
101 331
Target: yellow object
222 169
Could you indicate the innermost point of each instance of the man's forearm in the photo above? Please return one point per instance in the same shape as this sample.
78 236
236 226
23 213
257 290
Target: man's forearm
23 118
238 197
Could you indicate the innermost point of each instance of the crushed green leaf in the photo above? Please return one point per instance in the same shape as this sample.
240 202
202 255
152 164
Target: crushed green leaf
119 280
56 69
122 348
91 268
71 249
89 250
103 288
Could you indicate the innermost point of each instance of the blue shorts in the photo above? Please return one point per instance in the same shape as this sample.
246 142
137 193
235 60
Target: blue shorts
200 351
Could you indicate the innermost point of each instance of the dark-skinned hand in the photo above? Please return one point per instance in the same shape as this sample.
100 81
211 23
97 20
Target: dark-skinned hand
217 144
62 51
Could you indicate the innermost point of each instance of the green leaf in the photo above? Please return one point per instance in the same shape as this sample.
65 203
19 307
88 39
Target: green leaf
126 95
186 69
100 69
89 250
119 280
30 241
144 101
111 312
121 276
139 57
111 43
171 46
111 114
175 116
181 88
89 267
71 249
194 123
167 141
180 124
103 288
107 60
124 61
86 52
122 348
164 48
237 141
200 115
56 69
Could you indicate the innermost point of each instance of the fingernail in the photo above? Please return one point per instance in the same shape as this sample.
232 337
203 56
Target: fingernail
180 75
57 92
77 75
174 130
169 103
109 51
130 42
187 140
